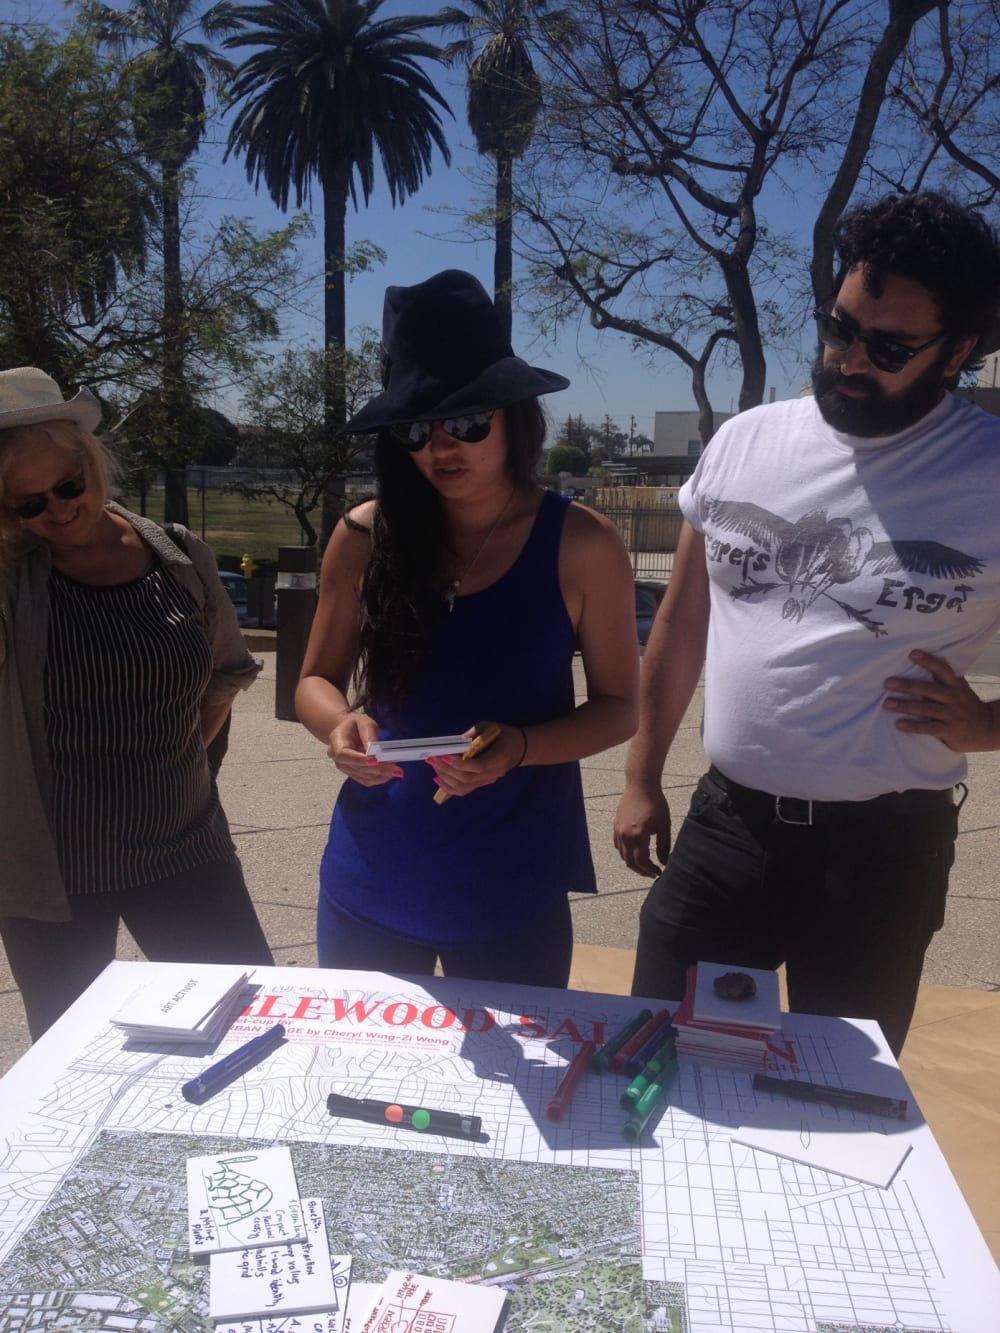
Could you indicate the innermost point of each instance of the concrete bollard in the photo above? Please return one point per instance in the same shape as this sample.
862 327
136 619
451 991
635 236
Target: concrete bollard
295 593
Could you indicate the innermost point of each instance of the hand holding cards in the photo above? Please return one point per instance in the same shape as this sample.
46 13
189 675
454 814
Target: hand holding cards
479 744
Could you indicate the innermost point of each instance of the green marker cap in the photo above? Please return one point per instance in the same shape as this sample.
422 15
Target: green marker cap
656 1090
420 1119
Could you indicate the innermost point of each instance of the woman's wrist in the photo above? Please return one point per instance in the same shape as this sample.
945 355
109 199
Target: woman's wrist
524 746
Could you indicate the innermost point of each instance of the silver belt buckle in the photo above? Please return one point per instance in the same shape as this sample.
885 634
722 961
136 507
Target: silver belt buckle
802 823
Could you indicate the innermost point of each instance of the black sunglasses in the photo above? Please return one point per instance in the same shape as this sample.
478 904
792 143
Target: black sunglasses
839 332
37 504
472 429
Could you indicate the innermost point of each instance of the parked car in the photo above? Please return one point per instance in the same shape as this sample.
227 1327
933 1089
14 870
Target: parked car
648 596
236 586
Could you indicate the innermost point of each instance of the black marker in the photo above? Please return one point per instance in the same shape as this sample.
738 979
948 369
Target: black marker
421 1118
869 1102
230 1067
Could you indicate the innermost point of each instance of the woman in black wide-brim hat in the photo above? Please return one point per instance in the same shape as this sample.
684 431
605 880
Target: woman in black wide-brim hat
453 604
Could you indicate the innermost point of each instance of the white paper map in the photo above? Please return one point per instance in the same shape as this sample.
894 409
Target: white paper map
684 1231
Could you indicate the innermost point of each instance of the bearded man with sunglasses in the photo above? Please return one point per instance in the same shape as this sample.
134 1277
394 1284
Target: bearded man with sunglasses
837 572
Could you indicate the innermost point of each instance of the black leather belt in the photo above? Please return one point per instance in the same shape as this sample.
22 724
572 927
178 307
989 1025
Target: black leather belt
763 805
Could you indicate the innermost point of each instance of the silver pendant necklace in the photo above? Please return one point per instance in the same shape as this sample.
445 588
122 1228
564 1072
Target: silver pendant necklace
452 588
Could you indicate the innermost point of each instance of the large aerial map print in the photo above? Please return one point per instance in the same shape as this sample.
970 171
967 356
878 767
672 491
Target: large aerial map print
685 1232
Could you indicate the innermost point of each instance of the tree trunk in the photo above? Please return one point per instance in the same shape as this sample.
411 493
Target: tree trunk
335 195
706 416
503 262
752 360
172 447
904 15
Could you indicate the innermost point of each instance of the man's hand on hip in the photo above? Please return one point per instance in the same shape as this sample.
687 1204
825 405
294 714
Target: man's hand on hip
946 706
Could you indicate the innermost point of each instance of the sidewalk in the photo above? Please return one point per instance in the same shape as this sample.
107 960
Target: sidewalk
278 789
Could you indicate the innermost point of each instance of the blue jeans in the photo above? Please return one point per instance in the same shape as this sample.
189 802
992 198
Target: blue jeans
849 904
537 956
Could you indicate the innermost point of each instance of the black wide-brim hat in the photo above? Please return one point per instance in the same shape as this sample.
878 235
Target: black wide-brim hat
444 354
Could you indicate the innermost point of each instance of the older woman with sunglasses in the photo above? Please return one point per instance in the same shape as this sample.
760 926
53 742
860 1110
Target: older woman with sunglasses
119 659
454 603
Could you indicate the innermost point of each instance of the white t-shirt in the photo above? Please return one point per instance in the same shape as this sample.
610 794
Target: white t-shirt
830 557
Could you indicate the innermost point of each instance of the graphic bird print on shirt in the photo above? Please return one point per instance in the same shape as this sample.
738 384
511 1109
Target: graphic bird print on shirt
814 554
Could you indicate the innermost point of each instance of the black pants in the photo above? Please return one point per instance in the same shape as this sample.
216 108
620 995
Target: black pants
202 916
849 904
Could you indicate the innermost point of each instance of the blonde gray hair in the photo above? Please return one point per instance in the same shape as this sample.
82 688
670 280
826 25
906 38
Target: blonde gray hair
98 463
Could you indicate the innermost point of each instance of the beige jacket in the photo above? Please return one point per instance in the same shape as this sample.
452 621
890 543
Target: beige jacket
30 880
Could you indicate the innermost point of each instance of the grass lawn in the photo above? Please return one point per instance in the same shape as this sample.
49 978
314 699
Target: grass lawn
230 524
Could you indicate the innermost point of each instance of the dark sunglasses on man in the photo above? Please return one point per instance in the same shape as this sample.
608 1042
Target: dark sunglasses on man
471 429
34 505
839 332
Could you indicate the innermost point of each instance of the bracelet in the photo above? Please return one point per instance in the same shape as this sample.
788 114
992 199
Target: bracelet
524 746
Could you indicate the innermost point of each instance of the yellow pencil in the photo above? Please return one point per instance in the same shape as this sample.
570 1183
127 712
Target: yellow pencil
479 743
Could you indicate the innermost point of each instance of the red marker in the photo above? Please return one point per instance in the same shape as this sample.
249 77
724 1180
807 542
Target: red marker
563 1094
622 1056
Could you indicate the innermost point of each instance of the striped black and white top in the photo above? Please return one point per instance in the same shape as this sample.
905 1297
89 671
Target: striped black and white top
132 799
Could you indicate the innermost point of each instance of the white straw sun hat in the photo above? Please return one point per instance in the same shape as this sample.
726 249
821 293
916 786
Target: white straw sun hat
28 396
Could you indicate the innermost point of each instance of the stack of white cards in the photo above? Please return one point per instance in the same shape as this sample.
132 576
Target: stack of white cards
730 1032
419 747
195 1007
269 1260
269 1257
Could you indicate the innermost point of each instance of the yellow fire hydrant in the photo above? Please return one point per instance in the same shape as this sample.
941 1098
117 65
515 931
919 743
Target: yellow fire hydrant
247 566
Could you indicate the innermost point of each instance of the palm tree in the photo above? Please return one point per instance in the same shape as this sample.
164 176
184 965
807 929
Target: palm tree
325 86
504 101
171 76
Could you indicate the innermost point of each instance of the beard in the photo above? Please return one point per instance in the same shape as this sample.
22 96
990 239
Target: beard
877 412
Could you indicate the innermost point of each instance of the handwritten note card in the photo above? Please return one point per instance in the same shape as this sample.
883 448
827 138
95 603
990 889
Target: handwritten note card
243 1199
275 1280
410 1303
325 1321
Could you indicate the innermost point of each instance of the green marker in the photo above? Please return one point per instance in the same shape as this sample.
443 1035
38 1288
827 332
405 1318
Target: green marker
641 1082
649 1104
599 1061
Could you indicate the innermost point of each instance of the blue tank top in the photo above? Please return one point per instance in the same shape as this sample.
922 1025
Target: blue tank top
485 865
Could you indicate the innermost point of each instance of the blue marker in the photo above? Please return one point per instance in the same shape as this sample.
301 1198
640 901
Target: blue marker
230 1067
660 1038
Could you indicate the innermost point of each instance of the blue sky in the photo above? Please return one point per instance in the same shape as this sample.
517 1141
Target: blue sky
426 235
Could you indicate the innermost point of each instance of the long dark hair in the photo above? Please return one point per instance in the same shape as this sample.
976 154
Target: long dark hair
400 596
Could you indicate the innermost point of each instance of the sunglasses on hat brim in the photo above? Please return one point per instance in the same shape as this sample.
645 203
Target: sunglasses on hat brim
839 332
35 505
470 429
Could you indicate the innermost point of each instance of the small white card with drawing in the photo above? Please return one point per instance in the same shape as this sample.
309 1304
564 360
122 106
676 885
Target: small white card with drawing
411 1303
273 1281
243 1199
